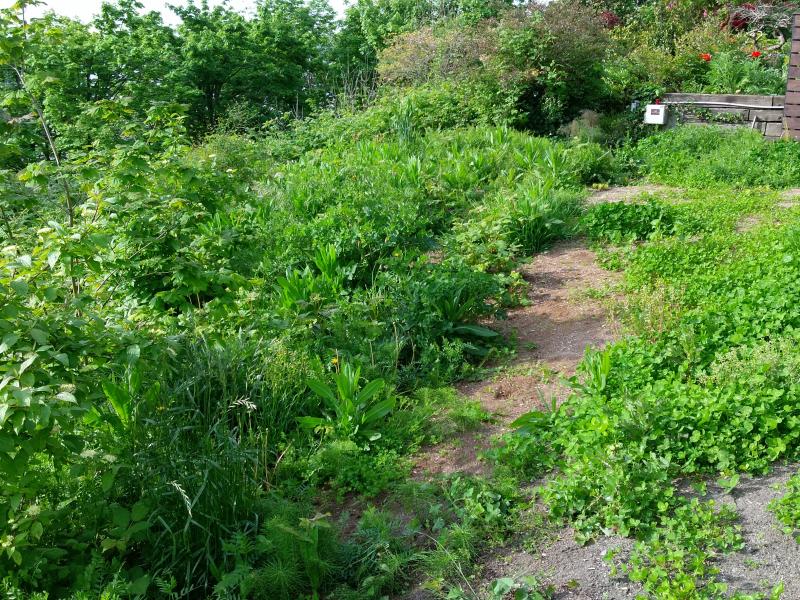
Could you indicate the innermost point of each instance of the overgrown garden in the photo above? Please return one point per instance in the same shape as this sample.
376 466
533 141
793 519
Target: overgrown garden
245 259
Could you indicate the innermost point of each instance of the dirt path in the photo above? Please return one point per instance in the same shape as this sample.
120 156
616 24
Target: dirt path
551 334
769 555
567 313
790 198
628 194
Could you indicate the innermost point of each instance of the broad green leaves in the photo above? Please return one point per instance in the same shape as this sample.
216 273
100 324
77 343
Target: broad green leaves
352 411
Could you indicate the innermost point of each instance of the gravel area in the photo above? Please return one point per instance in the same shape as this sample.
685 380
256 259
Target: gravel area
769 556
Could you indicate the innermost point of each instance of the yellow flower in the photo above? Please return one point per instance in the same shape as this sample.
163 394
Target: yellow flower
335 360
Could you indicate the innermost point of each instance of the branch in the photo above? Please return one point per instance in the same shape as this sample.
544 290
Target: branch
50 142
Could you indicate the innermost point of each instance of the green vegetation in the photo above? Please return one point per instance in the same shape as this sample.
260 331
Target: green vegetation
705 385
695 157
787 507
244 260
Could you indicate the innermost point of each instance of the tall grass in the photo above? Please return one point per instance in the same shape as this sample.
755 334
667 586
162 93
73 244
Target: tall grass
204 457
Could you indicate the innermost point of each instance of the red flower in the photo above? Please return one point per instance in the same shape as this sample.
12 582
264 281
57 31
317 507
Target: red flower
755 54
705 56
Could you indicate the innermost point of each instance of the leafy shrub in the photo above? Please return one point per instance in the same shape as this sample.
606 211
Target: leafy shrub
617 221
562 43
519 66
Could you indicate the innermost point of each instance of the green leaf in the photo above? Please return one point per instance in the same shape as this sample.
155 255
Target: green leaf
107 480
139 586
133 354
20 287
135 380
369 390
311 422
140 510
8 342
52 258
321 389
37 530
66 397
475 330
121 517
728 483
380 410
108 544
530 422
137 527
27 363
39 336
119 399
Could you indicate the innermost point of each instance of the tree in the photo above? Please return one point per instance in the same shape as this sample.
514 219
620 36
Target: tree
381 19
217 54
299 38
68 67
273 63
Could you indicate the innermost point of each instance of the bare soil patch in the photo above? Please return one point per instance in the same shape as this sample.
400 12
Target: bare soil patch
575 572
459 455
748 223
560 322
629 194
790 198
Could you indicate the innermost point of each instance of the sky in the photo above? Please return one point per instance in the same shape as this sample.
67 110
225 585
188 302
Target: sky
85 9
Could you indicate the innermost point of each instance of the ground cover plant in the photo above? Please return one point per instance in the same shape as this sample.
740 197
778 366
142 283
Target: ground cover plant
786 507
700 157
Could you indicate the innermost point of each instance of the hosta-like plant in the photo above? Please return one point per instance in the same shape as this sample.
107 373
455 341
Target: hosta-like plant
350 408
303 291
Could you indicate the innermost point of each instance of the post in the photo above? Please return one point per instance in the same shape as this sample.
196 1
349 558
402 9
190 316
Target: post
791 105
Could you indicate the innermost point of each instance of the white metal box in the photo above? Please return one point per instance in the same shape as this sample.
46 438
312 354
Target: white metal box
655 114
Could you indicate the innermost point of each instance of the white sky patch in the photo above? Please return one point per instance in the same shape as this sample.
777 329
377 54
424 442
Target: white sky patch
84 10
